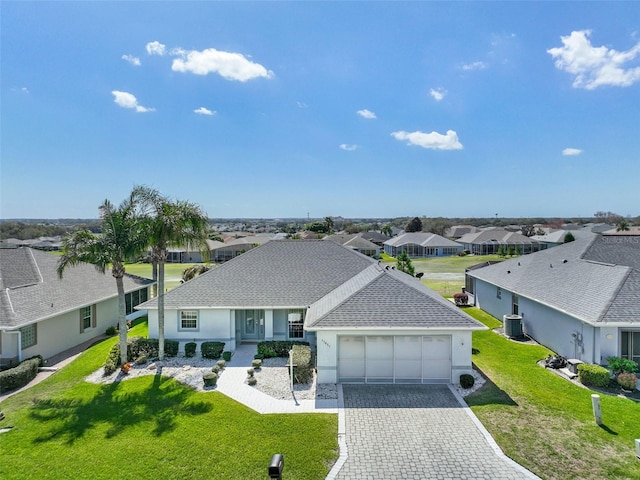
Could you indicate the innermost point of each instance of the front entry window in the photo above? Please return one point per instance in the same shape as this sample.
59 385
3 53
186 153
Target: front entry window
630 346
296 323
250 324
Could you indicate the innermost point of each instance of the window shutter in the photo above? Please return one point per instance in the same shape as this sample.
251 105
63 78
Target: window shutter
94 320
81 320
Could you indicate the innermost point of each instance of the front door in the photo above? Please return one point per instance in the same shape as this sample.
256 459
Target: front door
251 324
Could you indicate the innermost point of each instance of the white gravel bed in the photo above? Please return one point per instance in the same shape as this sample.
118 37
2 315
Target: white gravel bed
185 370
479 381
274 380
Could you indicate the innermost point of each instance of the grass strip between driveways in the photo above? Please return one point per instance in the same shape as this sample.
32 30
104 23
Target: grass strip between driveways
151 427
545 422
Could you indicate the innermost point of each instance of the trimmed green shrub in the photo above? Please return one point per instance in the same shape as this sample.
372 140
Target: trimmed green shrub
258 356
277 348
171 348
190 349
250 372
141 360
212 350
21 374
622 365
210 379
594 375
252 381
215 369
302 369
221 364
226 356
111 331
257 363
466 380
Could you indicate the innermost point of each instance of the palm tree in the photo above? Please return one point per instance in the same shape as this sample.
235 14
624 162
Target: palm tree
623 226
170 223
121 239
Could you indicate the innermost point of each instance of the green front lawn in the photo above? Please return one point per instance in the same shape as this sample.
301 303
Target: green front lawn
546 423
152 427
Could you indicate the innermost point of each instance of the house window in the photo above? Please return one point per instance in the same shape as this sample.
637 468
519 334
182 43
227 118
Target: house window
498 292
188 320
296 323
29 335
630 346
85 318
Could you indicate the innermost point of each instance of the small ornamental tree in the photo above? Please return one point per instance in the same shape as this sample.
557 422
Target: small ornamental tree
403 263
414 225
569 237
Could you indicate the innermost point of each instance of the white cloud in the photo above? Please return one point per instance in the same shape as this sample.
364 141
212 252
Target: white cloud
135 61
474 66
433 140
155 48
230 66
571 151
24 90
302 105
594 66
348 148
368 114
204 111
127 100
438 93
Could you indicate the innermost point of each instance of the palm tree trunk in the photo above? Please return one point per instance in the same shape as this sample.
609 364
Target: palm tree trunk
154 273
161 308
122 316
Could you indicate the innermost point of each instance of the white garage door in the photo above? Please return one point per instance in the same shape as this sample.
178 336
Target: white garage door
394 359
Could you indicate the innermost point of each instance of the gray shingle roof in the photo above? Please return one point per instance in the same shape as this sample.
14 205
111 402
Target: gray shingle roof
32 291
496 235
594 279
381 298
424 239
279 273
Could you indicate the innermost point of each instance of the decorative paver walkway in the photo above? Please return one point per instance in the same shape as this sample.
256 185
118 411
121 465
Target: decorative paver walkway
417 432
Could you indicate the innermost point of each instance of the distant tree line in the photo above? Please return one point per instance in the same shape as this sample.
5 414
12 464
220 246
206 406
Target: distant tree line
27 230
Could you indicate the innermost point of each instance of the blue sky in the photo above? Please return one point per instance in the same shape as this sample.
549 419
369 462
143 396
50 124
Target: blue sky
287 109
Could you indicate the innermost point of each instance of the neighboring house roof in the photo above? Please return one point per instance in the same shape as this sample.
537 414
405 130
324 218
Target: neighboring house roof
32 291
497 235
283 273
373 236
424 239
557 236
594 279
352 241
386 298
458 231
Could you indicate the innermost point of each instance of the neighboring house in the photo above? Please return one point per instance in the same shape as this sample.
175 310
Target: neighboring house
487 242
366 322
238 246
41 314
422 244
556 237
457 231
191 254
357 243
580 299
374 237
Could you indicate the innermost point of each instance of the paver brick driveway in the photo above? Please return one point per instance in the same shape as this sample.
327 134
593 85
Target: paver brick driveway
416 432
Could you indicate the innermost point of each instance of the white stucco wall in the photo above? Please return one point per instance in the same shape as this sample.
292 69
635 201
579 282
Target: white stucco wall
60 333
561 333
327 350
212 325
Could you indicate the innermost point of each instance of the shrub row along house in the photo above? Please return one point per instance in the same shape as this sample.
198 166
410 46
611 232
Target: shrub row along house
41 314
580 299
367 322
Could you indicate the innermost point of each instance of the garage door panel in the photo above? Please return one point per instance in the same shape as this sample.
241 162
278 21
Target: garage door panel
407 360
379 359
351 364
436 358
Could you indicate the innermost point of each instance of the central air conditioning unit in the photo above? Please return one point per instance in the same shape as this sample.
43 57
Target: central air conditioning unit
512 326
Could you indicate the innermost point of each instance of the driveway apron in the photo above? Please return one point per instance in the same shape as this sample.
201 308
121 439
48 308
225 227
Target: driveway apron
417 432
